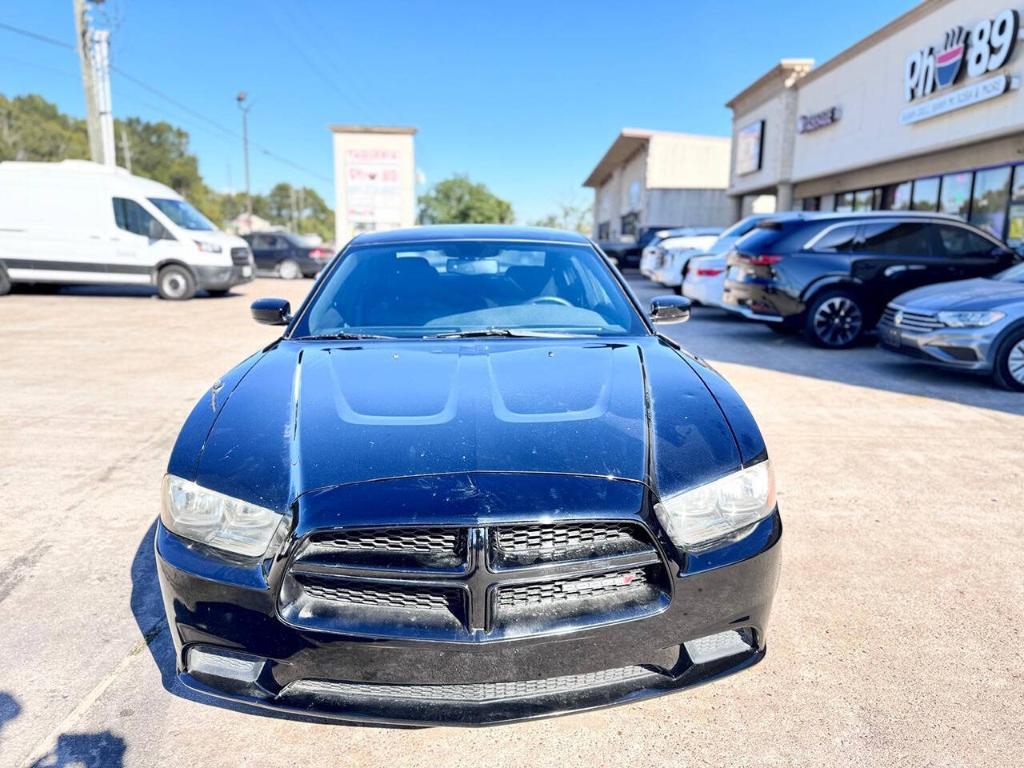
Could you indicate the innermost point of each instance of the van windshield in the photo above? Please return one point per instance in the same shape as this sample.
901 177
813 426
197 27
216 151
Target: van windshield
182 214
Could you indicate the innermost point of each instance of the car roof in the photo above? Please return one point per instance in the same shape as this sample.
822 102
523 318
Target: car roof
432 232
812 216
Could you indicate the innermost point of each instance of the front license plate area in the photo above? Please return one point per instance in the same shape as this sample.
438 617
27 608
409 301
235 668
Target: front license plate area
892 336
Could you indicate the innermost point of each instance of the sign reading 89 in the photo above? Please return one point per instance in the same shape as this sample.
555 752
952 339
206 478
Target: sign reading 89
992 42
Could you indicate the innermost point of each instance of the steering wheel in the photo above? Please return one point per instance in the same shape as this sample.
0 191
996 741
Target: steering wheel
549 300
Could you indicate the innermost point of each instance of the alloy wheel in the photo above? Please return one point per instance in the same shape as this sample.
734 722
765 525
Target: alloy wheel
838 321
1015 362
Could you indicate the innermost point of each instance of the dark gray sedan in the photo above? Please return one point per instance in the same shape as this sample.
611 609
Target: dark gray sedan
974 325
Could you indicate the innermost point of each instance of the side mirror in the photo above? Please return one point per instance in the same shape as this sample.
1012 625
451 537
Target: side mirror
272 311
670 309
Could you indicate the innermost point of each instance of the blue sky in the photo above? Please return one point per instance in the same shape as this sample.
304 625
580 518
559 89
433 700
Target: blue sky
523 96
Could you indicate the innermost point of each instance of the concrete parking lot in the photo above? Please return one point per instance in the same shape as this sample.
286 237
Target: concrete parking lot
896 636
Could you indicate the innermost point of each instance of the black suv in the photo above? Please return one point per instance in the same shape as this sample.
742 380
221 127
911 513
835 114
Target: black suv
287 255
831 275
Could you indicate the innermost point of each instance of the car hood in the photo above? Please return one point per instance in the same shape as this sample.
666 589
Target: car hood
216 237
978 294
310 416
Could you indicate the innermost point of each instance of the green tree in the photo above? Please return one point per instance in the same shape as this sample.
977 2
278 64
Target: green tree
459 201
571 217
31 128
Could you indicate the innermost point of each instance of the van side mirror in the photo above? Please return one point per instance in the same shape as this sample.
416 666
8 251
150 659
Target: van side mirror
666 310
271 311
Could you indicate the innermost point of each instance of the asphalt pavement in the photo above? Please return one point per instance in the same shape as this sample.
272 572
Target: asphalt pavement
896 635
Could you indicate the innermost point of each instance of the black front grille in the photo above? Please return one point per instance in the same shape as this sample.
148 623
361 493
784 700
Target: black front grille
383 596
460 583
240 256
409 540
470 693
524 544
616 583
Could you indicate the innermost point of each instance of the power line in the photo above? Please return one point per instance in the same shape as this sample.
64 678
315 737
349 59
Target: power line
170 100
37 36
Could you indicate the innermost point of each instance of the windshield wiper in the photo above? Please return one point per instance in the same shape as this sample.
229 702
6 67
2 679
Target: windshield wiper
515 333
343 337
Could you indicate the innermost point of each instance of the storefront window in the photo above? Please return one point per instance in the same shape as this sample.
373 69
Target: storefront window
844 202
604 231
1015 225
926 195
955 197
991 196
810 204
896 197
864 200
628 224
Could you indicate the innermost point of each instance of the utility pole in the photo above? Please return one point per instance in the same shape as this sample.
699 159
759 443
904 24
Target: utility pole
126 149
92 115
245 151
94 59
100 39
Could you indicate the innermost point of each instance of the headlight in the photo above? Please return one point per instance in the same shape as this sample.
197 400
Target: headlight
219 521
207 247
969 319
707 513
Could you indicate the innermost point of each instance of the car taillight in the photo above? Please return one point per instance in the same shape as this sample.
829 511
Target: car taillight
764 260
317 253
708 272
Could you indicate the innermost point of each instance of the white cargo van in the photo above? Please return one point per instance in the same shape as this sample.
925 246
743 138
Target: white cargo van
81 222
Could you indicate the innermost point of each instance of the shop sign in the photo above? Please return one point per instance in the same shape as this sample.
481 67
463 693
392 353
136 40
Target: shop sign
749 148
958 99
819 120
373 193
980 51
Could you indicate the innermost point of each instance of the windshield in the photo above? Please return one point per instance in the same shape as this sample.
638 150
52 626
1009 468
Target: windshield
1014 274
467 287
741 227
182 214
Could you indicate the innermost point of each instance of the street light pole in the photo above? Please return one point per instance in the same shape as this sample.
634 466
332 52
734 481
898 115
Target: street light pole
245 151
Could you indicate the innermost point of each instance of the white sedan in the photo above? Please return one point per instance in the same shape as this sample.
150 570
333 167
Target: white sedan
674 252
705 279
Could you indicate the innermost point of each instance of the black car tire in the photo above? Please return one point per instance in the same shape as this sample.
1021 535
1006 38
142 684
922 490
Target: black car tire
1001 370
289 269
5 282
175 283
836 319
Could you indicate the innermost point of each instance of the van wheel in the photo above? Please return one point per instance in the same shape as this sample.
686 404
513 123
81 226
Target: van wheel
289 269
175 283
5 282
1008 370
835 319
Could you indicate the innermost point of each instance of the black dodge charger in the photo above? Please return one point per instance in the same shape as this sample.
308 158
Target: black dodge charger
469 484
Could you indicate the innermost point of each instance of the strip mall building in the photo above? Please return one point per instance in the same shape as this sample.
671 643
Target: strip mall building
927 113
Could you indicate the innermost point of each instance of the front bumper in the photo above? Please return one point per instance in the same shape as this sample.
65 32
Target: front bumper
223 278
350 674
965 349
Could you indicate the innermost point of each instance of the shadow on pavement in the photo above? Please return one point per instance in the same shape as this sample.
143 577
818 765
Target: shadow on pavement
9 709
719 336
147 608
85 750
105 291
